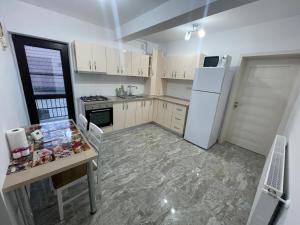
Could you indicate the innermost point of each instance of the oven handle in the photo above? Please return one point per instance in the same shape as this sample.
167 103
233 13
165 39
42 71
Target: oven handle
99 110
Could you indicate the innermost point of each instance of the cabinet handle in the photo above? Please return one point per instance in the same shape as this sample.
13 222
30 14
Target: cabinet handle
126 105
176 127
121 70
184 74
179 109
95 65
142 103
177 118
123 105
175 74
118 70
166 105
90 64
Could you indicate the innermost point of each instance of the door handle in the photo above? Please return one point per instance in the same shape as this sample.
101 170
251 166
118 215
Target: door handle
236 104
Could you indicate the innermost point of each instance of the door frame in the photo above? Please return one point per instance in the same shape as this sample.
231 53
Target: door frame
18 40
237 81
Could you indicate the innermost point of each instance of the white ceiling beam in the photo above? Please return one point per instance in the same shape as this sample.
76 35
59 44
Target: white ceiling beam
173 13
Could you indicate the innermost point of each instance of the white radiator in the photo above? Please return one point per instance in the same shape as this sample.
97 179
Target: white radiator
270 192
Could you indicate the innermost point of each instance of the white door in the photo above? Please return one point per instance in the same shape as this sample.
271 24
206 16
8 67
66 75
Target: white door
201 117
209 79
261 102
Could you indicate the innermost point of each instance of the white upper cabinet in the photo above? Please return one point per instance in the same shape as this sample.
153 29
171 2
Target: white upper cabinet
118 62
99 58
90 57
140 64
181 67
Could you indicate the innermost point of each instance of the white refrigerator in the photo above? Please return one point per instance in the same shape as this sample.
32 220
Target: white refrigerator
207 105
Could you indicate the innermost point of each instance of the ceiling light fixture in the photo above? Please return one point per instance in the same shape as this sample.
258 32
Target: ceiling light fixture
201 32
187 35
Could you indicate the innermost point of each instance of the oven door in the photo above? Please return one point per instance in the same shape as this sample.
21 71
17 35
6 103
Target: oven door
100 117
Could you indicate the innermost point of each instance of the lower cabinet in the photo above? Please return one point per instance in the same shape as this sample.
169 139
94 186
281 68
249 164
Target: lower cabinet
124 115
169 115
144 111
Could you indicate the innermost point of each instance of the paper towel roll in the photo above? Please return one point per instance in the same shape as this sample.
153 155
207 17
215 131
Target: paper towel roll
17 138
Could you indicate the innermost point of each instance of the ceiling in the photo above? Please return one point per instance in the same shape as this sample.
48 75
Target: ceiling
100 12
250 14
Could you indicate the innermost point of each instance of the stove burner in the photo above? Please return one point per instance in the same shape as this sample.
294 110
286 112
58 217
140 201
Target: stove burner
93 98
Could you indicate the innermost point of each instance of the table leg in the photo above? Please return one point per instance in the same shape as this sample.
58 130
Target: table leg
24 206
91 183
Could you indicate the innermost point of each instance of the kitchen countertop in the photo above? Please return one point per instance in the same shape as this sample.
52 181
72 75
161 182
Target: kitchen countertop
115 99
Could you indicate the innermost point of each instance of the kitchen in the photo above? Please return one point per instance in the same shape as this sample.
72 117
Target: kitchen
147 130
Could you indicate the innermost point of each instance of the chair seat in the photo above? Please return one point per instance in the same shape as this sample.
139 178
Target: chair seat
68 176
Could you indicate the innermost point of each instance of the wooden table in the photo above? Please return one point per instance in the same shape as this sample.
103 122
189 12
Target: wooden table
63 134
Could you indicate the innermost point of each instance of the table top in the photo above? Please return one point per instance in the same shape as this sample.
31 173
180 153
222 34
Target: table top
61 148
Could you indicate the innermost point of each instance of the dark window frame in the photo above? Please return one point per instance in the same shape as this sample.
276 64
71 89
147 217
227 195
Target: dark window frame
19 42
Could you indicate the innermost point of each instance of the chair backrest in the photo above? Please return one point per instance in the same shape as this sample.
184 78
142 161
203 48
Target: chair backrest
95 136
82 124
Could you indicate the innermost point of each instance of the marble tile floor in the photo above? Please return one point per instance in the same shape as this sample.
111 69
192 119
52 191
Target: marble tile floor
150 176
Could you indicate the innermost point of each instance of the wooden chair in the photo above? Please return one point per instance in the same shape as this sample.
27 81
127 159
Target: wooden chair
66 179
82 124
95 136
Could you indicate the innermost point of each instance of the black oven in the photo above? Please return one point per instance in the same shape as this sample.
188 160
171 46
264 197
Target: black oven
100 114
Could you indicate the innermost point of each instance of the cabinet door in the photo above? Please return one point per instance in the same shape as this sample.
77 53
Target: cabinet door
130 114
136 63
170 67
164 66
180 67
155 110
83 56
125 63
99 58
145 65
160 112
139 112
168 114
113 59
119 116
190 67
149 104
146 111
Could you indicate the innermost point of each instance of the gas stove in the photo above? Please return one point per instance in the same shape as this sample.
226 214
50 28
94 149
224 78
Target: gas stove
94 98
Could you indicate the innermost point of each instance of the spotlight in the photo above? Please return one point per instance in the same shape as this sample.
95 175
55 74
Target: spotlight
201 33
187 35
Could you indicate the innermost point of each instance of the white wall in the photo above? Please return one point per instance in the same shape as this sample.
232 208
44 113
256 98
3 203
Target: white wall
27 19
12 114
290 216
280 35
